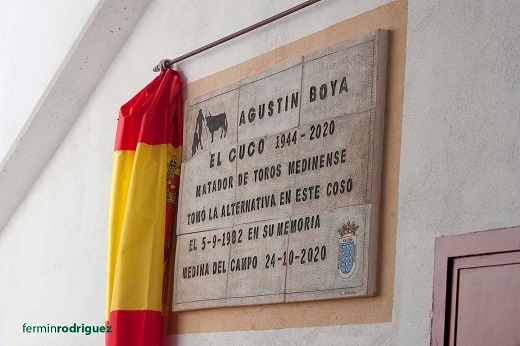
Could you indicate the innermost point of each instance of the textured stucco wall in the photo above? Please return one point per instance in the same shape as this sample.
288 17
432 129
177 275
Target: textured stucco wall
460 162
35 37
53 249
32 133
378 309
460 149
460 167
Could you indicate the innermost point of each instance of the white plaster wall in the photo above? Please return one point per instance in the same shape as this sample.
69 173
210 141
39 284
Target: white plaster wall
460 151
106 30
460 167
168 30
53 249
35 37
378 334
52 252
460 160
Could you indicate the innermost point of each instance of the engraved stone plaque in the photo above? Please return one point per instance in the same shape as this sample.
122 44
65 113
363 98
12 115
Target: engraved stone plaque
200 262
280 184
265 175
211 121
319 253
270 104
257 285
338 83
335 155
208 183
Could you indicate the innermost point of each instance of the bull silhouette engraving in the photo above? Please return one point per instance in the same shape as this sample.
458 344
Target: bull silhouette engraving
213 124
216 122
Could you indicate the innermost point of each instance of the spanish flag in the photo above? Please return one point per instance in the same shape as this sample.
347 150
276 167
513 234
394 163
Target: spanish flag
145 180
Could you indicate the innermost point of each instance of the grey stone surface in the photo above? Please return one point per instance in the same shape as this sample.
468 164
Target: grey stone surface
319 271
303 173
270 104
341 184
341 46
205 188
343 82
190 287
266 282
223 127
267 177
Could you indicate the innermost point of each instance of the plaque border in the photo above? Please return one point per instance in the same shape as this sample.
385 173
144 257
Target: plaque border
369 287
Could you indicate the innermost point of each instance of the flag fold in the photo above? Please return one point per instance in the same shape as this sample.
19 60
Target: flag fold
143 200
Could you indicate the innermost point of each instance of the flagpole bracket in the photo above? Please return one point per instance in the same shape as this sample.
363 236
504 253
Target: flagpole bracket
163 65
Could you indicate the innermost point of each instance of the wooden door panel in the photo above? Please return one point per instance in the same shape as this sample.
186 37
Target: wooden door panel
488 308
477 289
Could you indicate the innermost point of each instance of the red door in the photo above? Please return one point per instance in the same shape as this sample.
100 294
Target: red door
477 289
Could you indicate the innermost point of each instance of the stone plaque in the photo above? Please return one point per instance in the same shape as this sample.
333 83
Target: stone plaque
280 184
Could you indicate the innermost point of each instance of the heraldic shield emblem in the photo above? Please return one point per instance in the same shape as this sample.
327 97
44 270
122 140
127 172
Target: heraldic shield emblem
347 249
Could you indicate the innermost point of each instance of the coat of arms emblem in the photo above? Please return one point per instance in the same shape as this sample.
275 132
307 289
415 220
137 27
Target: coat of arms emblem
347 249
170 180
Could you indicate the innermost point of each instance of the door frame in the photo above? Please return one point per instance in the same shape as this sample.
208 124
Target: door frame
450 247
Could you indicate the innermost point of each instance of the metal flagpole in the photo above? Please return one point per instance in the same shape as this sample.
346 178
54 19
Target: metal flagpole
167 63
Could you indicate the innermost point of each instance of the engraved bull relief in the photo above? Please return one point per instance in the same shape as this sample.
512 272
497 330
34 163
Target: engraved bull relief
213 124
